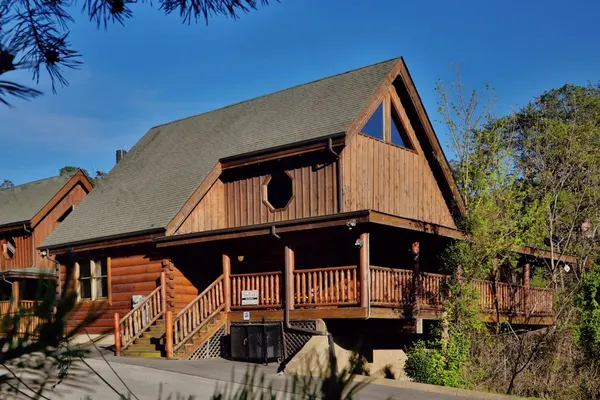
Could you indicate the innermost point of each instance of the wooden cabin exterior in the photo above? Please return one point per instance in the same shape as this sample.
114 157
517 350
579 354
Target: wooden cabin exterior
29 213
333 199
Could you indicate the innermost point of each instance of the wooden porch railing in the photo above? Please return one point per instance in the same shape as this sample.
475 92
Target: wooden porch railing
268 285
390 287
28 322
136 321
199 311
540 301
326 287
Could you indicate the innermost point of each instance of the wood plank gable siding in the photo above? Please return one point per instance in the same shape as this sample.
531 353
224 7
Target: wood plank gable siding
239 202
50 222
24 256
393 180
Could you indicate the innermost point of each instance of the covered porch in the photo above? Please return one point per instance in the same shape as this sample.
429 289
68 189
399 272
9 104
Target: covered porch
345 267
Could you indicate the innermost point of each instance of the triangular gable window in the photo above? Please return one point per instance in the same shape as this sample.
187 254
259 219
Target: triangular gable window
374 126
398 135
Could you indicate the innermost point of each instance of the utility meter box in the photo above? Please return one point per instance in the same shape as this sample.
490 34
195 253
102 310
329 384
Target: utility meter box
136 299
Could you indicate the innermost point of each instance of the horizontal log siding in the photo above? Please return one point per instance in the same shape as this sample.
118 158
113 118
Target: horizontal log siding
393 180
129 276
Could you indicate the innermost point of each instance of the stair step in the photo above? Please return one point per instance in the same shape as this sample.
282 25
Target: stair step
150 340
144 347
144 354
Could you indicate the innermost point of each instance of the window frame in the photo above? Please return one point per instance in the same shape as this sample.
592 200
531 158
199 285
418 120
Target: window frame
93 279
391 105
265 194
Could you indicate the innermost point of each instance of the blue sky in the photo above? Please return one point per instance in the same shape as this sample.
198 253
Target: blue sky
156 69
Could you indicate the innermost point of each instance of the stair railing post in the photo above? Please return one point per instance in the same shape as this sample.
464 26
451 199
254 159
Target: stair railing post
117 335
163 291
169 334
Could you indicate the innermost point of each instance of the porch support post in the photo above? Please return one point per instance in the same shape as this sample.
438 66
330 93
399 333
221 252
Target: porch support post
169 334
290 262
117 335
526 276
16 295
227 282
415 250
364 270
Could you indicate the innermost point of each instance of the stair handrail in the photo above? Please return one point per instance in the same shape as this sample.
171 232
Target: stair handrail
193 323
136 322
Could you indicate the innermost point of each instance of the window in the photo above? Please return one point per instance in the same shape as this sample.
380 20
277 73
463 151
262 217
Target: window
385 123
92 280
66 213
9 248
397 135
374 126
278 191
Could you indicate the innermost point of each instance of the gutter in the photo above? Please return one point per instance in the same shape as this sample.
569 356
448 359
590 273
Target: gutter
266 227
100 239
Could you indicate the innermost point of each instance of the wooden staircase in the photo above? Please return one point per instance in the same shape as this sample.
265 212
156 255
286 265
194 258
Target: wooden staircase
144 332
151 344
207 330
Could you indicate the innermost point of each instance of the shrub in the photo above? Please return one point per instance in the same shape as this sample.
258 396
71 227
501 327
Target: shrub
424 365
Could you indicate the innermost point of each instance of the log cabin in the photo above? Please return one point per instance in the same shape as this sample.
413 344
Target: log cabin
29 213
331 200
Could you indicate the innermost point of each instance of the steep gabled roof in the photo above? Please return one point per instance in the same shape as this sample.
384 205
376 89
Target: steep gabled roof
20 204
154 180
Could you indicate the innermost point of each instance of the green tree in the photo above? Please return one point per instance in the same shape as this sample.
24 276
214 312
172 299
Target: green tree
69 170
35 33
6 184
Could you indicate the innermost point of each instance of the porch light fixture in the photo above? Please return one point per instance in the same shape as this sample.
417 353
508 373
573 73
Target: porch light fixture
359 243
351 224
240 258
567 268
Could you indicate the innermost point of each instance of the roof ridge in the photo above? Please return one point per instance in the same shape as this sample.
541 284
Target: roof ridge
277 91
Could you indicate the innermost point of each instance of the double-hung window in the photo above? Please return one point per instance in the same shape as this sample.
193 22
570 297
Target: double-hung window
92 280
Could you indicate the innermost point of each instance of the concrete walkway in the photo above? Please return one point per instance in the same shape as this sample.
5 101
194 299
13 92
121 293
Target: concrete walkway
159 379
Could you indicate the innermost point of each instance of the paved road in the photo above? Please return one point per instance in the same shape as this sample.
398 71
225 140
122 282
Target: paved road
147 378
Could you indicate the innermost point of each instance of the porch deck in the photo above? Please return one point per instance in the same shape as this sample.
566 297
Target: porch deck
397 289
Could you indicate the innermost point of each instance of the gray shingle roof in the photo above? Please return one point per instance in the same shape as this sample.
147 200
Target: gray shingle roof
155 179
21 203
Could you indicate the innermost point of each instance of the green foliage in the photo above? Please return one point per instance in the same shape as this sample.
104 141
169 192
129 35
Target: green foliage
70 170
425 364
588 327
359 365
5 184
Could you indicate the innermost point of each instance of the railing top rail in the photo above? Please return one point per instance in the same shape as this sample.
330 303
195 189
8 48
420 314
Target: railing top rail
139 305
325 269
436 275
191 303
375 267
256 274
541 289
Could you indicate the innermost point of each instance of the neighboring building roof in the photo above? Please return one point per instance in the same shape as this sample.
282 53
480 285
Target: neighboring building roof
20 204
146 189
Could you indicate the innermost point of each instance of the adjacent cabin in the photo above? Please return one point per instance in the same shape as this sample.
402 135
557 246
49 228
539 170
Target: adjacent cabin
331 200
29 213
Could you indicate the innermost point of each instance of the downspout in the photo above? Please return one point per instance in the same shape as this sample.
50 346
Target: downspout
32 245
340 194
286 312
53 260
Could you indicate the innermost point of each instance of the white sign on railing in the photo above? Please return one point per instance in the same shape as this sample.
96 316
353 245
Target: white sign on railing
249 297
